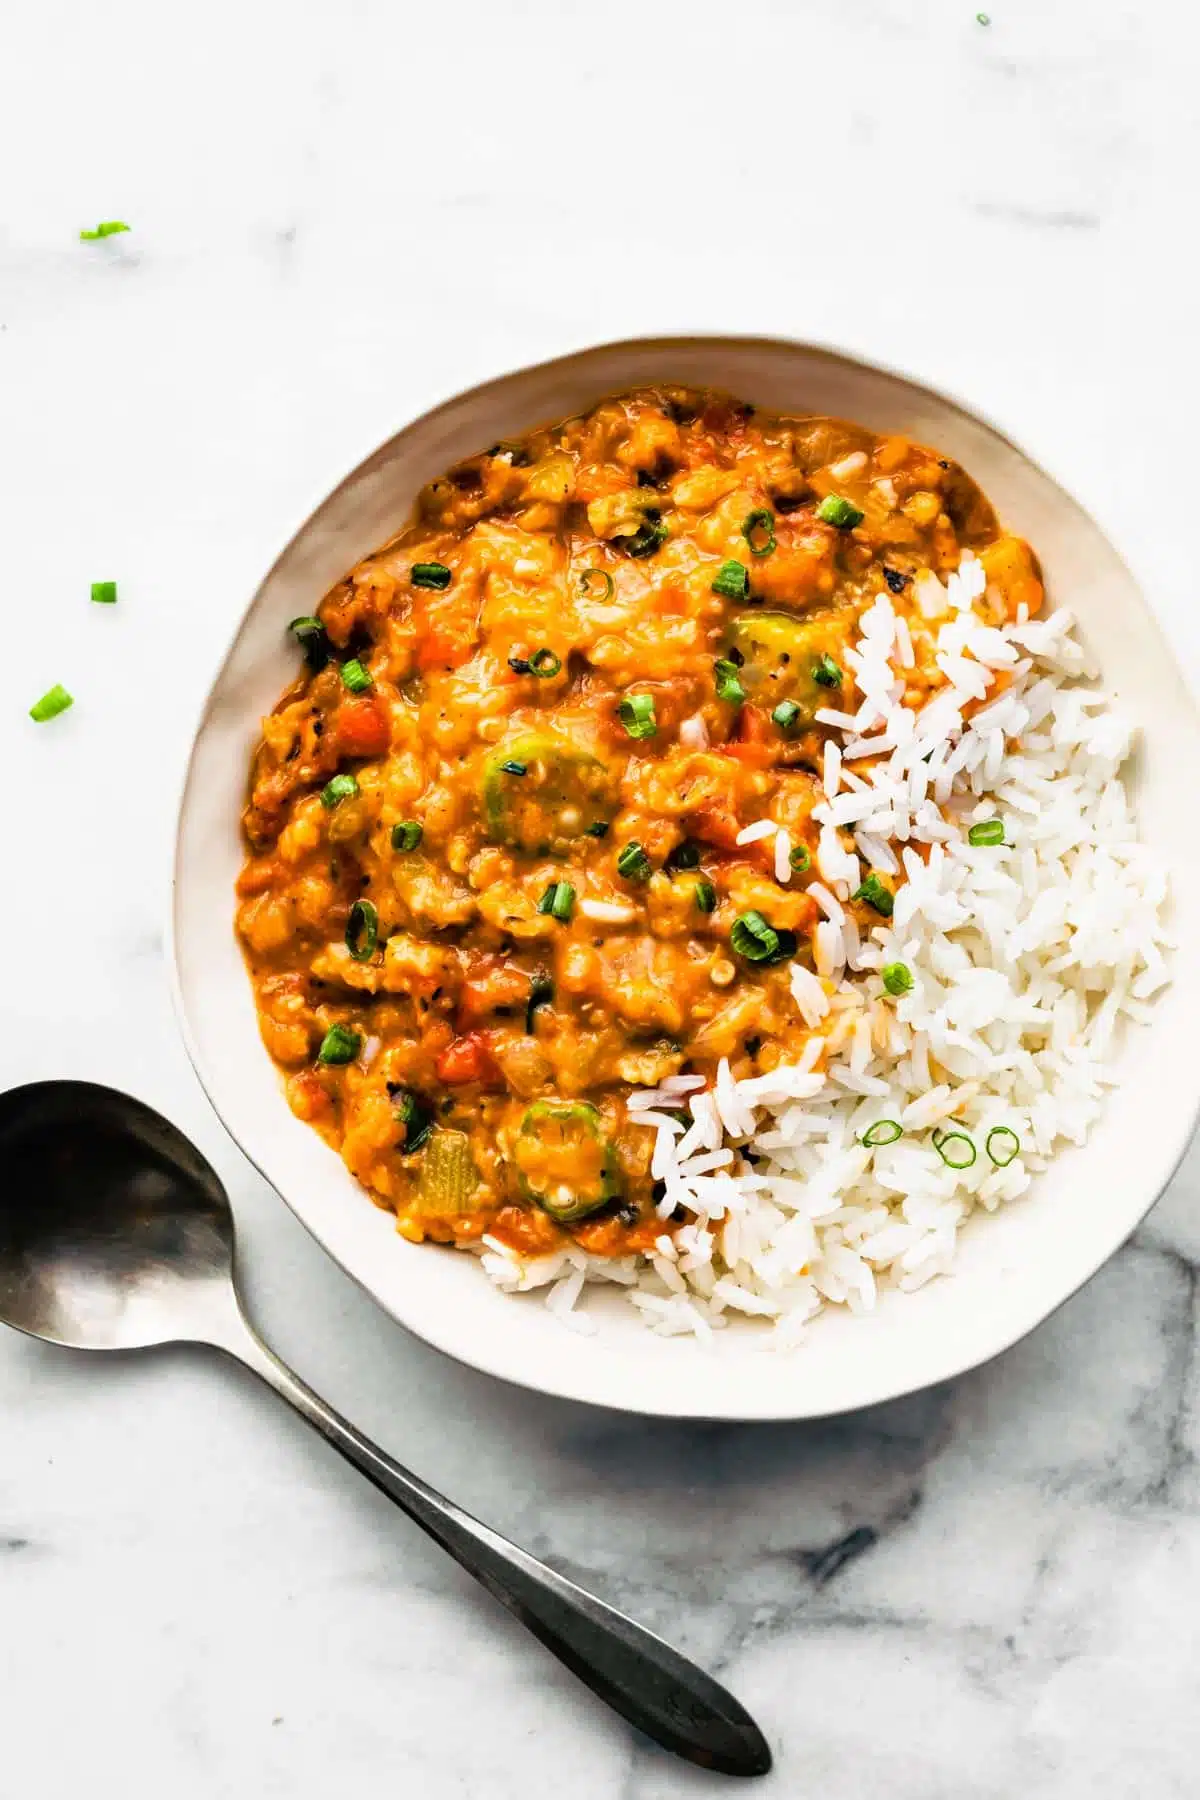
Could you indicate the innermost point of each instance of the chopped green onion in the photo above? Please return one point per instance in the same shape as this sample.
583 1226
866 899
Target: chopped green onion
541 992
543 663
883 1131
786 714
684 856
758 529
598 830
362 931
1002 1145
732 580
955 1149
54 701
310 634
988 831
356 677
799 859
636 713
826 673
633 863
339 1045
876 894
407 835
897 978
106 228
342 787
596 584
104 593
836 510
415 1116
705 896
753 938
558 900
430 575
648 536
728 685
514 768
983 18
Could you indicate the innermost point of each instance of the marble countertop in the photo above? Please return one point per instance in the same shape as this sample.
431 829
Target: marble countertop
342 213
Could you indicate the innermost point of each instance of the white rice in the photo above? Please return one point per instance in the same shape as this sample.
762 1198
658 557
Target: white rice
1026 958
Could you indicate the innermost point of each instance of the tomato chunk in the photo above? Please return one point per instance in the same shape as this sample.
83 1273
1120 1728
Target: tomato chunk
363 727
466 1059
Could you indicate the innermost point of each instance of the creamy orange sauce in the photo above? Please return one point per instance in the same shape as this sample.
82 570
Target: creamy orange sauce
493 879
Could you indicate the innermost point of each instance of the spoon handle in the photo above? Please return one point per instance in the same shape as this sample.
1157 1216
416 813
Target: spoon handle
643 1678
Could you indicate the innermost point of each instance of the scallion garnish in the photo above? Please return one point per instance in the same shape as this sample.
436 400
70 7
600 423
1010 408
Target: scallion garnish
758 529
1002 1145
728 686
598 830
648 536
342 787
430 575
106 228
543 663
826 673
596 584
753 938
407 835
356 677
684 856
104 593
339 1045
786 714
362 931
799 859
541 992
636 713
835 509
705 896
732 580
514 768
876 894
310 635
897 978
883 1131
987 831
415 1116
54 701
955 1149
633 863
558 900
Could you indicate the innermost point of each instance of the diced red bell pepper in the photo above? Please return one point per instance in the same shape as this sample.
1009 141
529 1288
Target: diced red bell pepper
363 727
466 1059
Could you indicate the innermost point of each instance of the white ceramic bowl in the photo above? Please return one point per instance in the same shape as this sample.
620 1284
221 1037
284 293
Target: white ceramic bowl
1013 1269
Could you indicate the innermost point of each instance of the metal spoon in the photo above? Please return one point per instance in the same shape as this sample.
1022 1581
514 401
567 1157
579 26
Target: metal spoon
115 1234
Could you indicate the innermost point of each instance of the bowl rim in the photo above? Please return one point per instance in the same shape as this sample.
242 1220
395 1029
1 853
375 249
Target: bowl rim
890 1388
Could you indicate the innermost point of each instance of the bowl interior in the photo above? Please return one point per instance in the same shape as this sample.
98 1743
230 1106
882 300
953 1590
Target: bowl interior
1014 1268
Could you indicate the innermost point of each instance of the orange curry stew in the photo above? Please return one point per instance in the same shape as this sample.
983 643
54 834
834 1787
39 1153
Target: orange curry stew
493 877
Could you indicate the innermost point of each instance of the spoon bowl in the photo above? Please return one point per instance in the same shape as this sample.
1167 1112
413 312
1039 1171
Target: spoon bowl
115 1234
